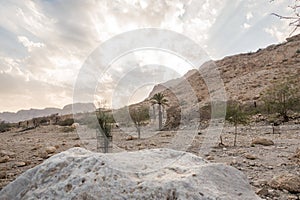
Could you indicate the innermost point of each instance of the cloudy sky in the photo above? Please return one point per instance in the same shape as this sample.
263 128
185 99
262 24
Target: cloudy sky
44 43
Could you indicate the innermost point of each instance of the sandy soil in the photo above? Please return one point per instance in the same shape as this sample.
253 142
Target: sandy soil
259 163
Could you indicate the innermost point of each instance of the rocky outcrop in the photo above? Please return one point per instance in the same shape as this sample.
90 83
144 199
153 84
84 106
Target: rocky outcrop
262 141
245 76
289 182
148 174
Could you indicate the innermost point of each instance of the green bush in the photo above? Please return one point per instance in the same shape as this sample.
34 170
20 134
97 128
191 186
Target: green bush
66 122
68 129
4 126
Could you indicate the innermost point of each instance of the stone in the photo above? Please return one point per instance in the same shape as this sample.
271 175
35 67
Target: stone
2 175
259 182
262 141
4 159
297 153
75 125
262 192
50 150
289 182
250 156
7 153
148 174
129 137
210 158
20 164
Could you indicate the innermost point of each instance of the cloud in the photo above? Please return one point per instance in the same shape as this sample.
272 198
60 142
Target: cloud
29 44
43 44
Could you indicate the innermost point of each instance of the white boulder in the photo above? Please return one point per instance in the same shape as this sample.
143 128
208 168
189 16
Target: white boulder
148 174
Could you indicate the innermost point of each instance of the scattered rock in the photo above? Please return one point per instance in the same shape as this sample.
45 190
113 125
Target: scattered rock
50 150
289 182
179 175
75 125
7 153
20 164
76 145
210 158
4 159
2 175
292 197
129 137
259 182
262 141
263 192
297 153
250 156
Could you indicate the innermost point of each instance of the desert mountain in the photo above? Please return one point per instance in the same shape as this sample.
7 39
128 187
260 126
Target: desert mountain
245 76
32 113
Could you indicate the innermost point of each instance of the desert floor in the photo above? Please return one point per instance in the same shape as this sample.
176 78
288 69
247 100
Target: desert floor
21 151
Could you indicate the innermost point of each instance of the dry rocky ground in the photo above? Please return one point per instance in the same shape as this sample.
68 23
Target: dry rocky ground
276 156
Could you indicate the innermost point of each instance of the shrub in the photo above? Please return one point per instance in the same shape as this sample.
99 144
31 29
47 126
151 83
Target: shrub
66 122
68 129
4 126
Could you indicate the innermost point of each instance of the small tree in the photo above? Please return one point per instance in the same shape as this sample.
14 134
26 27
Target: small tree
105 121
236 115
281 98
159 99
139 116
294 18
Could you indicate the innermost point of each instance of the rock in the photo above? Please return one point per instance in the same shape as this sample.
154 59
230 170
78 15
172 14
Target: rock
75 125
129 137
289 182
250 156
297 153
20 164
210 158
2 175
292 197
147 174
262 141
50 150
259 182
4 159
7 153
262 192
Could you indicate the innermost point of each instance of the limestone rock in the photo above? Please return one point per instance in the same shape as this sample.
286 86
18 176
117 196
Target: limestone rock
20 164
4 159
289 182
262 141
7 153
148 174
2 175
250 156
50 150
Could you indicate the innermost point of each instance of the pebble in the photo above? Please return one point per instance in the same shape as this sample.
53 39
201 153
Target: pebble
4 159
50 149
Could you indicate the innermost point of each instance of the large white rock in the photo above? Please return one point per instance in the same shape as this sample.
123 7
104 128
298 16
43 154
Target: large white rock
149 174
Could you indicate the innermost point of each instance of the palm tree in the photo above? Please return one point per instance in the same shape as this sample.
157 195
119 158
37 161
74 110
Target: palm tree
159 99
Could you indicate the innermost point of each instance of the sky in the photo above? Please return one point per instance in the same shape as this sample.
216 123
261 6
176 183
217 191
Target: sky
45 43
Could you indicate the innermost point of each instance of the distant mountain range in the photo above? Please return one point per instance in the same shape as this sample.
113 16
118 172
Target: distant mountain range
22 115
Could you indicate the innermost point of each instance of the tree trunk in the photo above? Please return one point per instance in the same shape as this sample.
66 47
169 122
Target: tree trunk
138 128
154 114
159 117
235 135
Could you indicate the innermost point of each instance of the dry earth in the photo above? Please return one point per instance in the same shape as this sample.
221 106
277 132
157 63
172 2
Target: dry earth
21 151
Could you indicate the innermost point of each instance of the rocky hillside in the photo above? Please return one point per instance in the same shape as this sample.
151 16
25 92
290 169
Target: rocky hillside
33 113
245 76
